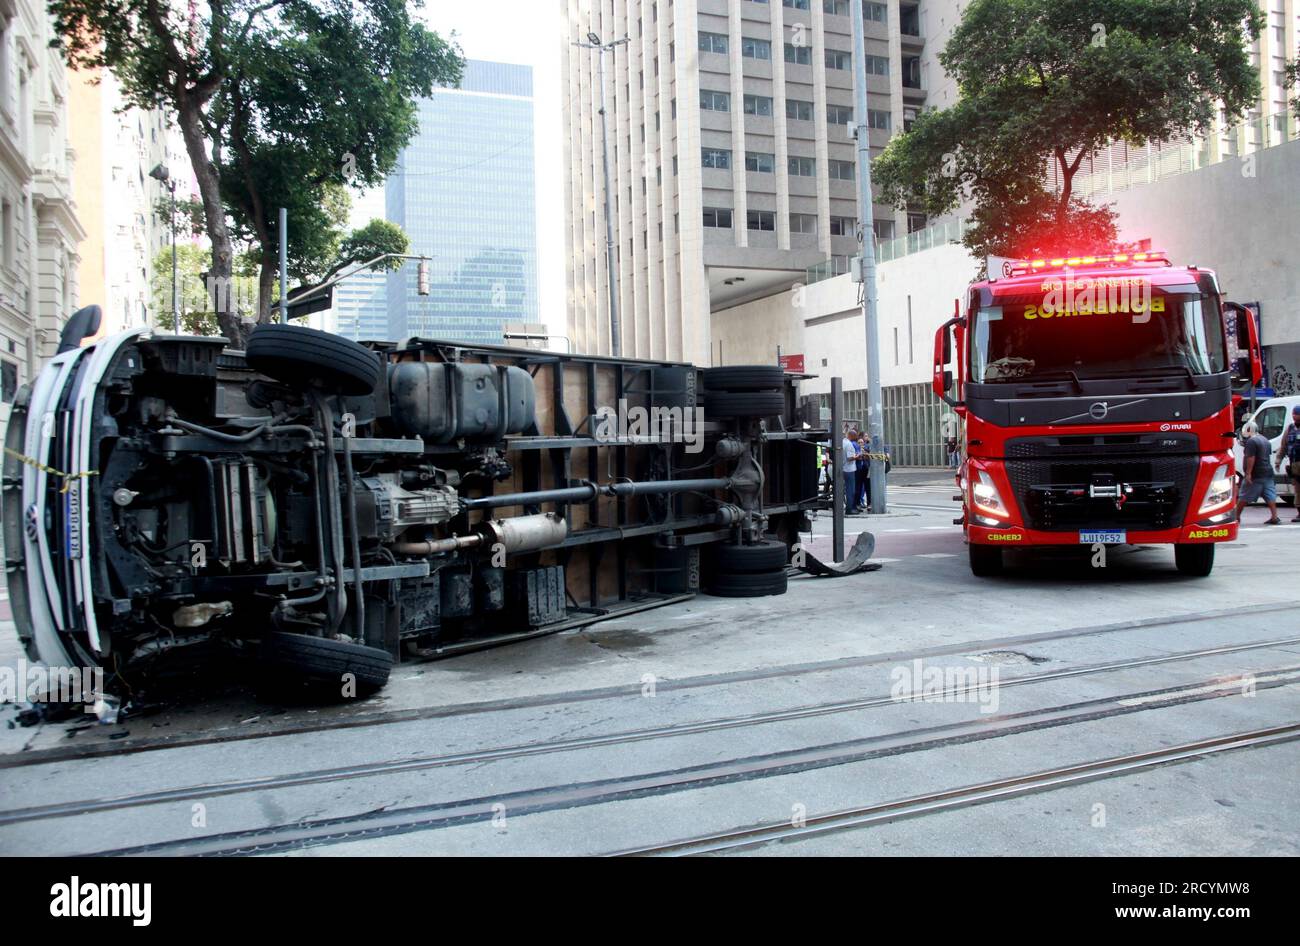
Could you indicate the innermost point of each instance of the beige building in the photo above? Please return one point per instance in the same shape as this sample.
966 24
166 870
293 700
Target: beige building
39 226
117 200
732 168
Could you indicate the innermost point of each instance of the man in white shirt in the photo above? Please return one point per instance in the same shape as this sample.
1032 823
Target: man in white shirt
849 470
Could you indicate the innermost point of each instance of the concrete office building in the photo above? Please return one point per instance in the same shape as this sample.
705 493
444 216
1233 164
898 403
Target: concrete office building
463 191
732 171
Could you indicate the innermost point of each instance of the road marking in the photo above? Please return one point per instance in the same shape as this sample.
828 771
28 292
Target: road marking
935 555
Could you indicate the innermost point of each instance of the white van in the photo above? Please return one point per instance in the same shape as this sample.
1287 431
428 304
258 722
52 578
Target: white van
1273 417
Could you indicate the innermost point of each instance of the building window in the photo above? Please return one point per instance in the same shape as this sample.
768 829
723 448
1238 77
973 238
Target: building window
802 167
795 4
839 59
760 162
839 114
803 223
674 165
758 105
877 65
717 218
717 158
836 7
760 220
840 170
713 43
915 222
715 101
844 226
752 48
803 111
8 381
800 55
884 229
7 233
876 12
879 118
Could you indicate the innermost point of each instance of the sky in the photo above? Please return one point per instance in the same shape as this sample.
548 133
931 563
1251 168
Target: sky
528 32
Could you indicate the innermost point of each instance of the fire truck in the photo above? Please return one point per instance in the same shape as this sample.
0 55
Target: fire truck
1097 395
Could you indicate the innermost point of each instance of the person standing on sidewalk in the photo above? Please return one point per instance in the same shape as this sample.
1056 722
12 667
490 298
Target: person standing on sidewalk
1288 452
1258 482
849 470
864 473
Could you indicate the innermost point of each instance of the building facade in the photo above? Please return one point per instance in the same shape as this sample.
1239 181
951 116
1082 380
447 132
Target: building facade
732 167
118 201
463 191
39 226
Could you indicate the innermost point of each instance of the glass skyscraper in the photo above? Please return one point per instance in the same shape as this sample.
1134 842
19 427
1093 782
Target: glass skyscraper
463 191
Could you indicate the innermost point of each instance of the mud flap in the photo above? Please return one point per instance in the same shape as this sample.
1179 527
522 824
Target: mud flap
854 562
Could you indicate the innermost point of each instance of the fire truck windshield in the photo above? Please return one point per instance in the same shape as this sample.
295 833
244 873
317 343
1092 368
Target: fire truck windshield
1103 327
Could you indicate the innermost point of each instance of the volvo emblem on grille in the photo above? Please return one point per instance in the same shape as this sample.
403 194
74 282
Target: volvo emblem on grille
1099 410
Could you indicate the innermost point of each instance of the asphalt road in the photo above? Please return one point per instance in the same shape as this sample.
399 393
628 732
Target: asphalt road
1060 709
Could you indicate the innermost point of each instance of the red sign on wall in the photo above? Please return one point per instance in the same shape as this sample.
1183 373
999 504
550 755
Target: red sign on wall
792 363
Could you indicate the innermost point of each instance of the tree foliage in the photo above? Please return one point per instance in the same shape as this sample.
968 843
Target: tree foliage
1045 83
278 101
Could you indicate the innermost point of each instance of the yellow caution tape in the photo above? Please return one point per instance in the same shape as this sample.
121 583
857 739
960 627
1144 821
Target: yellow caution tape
66 477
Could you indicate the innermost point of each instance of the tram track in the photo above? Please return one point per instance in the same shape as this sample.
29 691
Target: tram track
399 766
385 823
1010 642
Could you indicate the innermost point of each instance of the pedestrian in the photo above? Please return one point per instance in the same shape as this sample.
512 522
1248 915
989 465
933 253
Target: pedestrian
864 474
1289 452
1258 479
954 455
849 469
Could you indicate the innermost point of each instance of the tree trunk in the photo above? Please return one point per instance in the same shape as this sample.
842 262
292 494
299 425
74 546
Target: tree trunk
266 284
220 284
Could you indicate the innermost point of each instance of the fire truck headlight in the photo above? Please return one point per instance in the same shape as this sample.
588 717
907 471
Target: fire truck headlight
1220 492
986 497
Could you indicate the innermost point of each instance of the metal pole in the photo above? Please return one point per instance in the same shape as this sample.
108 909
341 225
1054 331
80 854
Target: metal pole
615 343
837 465
284 265
176 299
875 407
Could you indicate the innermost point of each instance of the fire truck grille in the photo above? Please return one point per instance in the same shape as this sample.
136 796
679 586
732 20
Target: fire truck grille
1054 495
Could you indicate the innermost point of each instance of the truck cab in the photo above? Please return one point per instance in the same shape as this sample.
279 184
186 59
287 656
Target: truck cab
1097 393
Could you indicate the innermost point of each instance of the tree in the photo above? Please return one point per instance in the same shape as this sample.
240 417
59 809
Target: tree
278 94
197 314
329 101
1045 83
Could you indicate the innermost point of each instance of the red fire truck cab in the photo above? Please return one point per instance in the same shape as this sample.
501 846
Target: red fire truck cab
1097 396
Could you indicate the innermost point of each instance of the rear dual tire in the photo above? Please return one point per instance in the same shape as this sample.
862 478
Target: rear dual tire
747 571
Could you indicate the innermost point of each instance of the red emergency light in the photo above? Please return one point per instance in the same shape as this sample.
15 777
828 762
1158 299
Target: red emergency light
1022 267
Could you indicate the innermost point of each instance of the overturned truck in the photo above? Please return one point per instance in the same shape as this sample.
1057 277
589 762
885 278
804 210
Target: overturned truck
327 507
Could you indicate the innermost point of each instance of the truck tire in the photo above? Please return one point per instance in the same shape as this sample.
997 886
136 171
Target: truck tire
304 357
744 378
1195 560
752 585
765 556
320 663
985 560
744 404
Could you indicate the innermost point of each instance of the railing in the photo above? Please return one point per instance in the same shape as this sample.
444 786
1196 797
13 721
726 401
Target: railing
1148 165
937 234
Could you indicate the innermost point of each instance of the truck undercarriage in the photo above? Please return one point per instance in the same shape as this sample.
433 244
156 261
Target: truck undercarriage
330 507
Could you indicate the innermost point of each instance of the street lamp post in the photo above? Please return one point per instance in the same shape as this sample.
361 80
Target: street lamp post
164 177
593 42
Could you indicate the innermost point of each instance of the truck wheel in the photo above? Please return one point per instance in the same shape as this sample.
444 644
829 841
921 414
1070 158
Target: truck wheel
765 556
304 357
1194 560
985 560
319 663
752 585
744 404
744 378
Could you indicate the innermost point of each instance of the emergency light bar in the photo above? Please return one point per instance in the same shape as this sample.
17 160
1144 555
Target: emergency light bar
1023 267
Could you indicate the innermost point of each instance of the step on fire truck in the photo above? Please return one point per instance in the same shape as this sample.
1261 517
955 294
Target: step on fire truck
1097 394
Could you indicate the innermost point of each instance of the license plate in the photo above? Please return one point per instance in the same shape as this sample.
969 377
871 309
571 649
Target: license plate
1103 538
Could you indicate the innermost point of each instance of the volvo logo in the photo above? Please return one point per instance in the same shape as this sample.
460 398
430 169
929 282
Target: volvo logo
1099 410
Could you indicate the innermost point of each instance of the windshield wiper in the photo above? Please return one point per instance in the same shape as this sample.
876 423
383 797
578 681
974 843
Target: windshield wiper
1129 372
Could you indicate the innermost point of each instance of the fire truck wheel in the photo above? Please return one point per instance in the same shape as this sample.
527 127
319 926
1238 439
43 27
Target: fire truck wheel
304 357
1195 560
744 404
985 560
319 664
753 585
764 556
744 378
